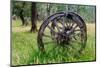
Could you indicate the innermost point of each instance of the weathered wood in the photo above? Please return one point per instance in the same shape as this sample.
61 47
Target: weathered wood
69 29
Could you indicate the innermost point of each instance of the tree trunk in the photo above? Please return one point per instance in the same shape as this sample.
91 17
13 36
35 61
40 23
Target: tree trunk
66 9
48 9
21 14
33 17
22 17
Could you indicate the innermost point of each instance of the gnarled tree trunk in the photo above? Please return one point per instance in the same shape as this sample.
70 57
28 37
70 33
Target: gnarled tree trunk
33 17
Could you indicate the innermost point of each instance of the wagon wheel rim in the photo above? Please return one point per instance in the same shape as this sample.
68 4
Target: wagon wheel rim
76 32
73 27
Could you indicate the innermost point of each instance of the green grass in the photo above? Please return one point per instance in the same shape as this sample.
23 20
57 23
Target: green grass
25 49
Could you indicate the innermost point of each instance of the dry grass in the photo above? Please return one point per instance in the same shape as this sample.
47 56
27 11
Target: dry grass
90 27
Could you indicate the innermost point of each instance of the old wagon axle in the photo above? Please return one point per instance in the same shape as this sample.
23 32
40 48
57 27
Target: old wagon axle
64 37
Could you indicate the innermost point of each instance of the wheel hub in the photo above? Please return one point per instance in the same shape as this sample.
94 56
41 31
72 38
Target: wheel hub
63 37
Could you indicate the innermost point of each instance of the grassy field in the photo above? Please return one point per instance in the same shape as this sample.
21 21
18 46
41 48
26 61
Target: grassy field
25 50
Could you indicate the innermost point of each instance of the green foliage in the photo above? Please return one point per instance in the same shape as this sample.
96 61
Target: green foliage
60 7
86 12
41 10
17 6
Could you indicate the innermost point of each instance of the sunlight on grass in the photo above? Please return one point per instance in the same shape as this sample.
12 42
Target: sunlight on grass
25 49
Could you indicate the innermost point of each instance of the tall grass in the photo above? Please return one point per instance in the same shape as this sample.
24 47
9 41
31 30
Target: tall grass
25 49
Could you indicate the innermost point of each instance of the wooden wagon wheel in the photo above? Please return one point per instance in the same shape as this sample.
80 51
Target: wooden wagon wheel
63 29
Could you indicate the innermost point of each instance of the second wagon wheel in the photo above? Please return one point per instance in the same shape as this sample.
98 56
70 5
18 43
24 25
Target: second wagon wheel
64 30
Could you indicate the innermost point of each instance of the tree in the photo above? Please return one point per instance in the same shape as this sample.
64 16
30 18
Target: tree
33 17
21 14
18 10
48 9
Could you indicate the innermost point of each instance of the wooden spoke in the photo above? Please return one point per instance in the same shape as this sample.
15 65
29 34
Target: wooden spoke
75 41
76 34
77 30
66 22
69 25
51 29
63 23
74 27
46 35
72 24
74 37
55 22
